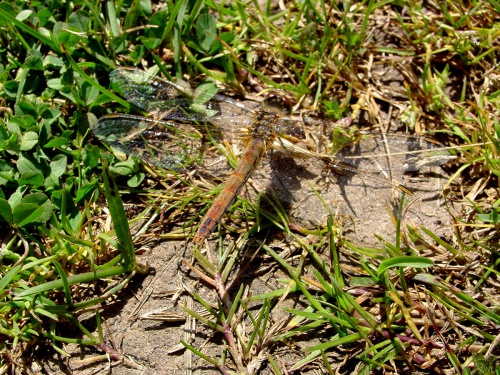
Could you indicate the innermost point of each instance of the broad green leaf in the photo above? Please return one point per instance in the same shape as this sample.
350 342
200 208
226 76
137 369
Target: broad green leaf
13 126
91 156
58 165
6 172
137 54
86 191
3 132
89 93
34 60
25 165
11 144
136 180
158 19
145 7
44 16
34 208
26 114
24 14
79 21
100 100
206 30
75 219
69 39
33 178
55 83
11 87
37 198
53 61
150 43
51 182
124 168
8 8
17 196
29 140
27 213
6 211
57 142
44 32
204 92
118 44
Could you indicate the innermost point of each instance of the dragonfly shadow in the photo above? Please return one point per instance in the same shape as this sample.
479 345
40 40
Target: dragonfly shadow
296 180
287 173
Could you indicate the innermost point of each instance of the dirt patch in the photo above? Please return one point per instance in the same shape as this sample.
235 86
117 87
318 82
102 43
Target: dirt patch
146 323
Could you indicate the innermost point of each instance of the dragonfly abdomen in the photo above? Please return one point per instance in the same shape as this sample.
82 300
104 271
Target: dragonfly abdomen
247 164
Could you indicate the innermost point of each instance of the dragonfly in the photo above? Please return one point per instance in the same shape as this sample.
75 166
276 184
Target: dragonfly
183 126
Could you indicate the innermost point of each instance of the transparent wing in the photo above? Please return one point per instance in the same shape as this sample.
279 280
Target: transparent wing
359 182
396 152
161 143
372 159
167 100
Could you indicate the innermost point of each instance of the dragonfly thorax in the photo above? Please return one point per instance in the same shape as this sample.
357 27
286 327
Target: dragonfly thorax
263 126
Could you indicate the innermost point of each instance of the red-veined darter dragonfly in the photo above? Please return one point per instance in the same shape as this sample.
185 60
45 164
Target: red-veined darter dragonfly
182 123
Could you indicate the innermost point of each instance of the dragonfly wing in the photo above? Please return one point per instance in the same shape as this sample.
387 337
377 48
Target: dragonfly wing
396 152
380 160
171 146
159 143
357 185
167 100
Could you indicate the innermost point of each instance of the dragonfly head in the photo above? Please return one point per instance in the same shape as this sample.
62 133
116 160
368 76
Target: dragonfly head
277 104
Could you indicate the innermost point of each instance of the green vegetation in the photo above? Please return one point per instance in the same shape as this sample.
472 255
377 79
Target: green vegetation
419 303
